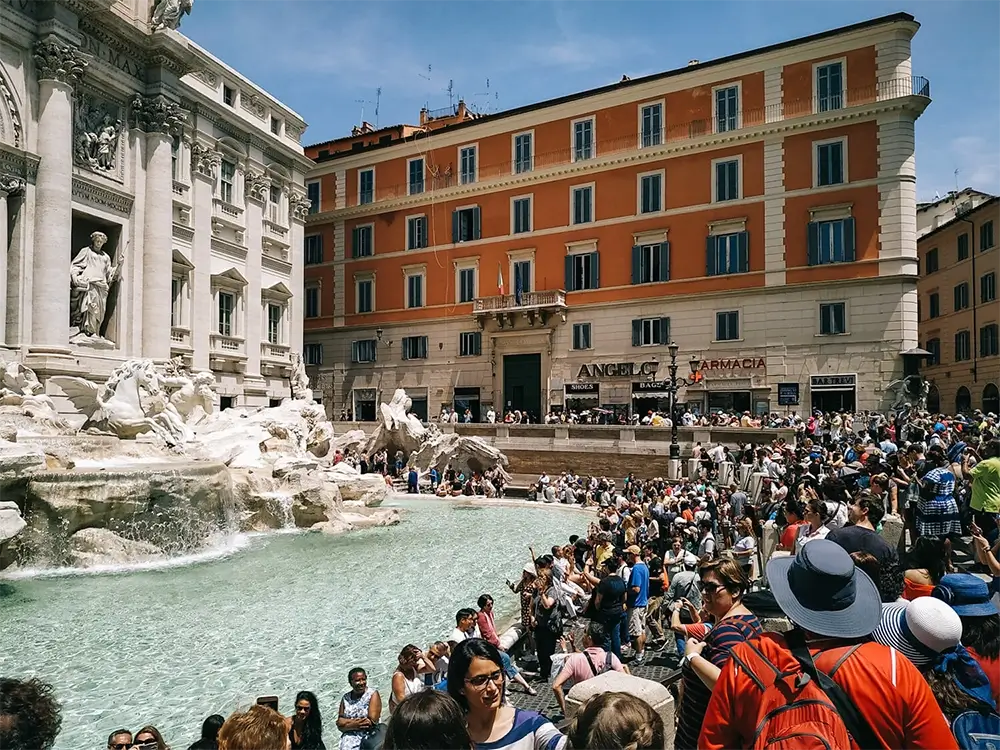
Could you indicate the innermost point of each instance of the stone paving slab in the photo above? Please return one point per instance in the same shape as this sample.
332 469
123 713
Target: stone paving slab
659 667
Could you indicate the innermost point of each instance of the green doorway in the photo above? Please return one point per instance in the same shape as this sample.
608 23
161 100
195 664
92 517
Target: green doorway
522 384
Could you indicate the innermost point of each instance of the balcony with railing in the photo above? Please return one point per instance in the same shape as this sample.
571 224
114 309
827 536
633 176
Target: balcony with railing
227 213
676 133
232 348
537 308
180 338
276 352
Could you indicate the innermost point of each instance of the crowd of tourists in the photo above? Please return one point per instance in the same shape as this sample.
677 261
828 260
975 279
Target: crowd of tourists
817 603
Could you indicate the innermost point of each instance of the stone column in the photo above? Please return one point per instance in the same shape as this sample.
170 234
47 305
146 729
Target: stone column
8 185
58 67
158 118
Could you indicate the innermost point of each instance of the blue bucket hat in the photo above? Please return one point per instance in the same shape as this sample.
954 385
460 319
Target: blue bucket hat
967 594
822 591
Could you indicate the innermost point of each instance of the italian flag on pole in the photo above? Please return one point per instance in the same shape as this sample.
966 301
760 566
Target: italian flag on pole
500 278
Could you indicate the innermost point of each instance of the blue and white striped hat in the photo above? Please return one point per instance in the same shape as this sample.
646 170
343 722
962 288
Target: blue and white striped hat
921 631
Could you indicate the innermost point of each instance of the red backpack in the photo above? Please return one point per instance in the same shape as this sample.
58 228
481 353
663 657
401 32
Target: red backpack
800 707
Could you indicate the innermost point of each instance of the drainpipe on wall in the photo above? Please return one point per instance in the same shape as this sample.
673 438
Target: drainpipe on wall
974 333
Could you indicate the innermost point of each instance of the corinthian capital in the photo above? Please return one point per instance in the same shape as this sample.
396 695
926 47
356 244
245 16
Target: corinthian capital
10 184
56 61
156 114
298 206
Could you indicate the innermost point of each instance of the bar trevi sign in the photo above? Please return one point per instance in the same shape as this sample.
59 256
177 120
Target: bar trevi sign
618 369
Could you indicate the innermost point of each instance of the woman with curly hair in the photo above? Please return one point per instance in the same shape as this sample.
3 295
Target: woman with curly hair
617 720
30 715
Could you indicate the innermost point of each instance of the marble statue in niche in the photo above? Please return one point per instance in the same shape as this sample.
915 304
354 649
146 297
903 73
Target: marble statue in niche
98 129
92 272
167 13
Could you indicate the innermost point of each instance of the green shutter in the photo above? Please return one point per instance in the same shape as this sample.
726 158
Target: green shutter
476 230
849 239
354 242
595 271
636 264
576 336
568 263
423 347
454 226
813 253
637 332
664 331
710 259
743 247
664 261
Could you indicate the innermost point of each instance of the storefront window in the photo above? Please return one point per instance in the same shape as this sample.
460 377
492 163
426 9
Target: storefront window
729 401
364 405
468 398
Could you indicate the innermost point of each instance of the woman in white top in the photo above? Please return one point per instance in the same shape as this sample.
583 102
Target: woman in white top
408 677
817 515
745 546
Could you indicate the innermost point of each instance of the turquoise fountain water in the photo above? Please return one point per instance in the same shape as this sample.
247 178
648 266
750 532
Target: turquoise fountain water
169 646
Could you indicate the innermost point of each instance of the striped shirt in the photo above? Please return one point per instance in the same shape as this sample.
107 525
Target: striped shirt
718 643
531 731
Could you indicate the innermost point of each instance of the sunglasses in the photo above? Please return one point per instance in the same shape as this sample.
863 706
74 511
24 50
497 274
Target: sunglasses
120 746
479 681
305 709
711 588
145 745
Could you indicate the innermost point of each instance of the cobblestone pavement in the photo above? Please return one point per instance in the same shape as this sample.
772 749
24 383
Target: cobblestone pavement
658 667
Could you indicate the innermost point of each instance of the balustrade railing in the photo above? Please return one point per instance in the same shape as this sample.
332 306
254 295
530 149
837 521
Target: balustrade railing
523 301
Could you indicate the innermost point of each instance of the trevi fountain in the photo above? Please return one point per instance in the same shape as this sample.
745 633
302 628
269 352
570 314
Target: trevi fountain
162 560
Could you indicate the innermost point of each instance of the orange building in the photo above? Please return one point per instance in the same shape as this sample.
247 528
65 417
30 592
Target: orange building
758 210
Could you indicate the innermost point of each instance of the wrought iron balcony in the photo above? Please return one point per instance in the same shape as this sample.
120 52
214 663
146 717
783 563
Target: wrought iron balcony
534 307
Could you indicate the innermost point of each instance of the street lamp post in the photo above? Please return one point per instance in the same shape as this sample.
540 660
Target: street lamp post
381 369
673 385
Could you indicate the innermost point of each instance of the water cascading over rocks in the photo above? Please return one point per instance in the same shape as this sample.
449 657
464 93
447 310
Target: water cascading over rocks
156 471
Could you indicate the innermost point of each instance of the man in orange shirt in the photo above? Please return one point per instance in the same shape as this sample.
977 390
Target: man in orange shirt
835 607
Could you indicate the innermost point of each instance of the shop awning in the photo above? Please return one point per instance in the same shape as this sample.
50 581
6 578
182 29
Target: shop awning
583 390
651 394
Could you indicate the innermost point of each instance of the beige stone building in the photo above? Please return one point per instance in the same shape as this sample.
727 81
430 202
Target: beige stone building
758 210
959 309
114 124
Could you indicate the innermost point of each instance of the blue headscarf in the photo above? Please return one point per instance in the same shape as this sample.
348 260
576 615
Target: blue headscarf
955 452
958 664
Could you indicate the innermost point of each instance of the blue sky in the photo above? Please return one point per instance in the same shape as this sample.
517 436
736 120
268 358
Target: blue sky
320 57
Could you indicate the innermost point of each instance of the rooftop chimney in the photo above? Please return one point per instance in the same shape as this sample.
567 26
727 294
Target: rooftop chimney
694 62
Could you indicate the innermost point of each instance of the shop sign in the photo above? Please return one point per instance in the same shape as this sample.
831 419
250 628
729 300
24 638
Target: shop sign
833 381
788 394
583 389
617 369
651 386
733 363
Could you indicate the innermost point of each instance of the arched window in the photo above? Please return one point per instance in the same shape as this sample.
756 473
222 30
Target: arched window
934 400
991 399
963 400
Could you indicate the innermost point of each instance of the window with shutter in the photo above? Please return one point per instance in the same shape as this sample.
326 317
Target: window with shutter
831 242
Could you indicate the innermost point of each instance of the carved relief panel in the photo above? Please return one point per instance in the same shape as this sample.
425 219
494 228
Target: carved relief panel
98 144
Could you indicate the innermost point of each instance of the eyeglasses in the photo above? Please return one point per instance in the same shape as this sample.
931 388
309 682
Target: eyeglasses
306 709
480 680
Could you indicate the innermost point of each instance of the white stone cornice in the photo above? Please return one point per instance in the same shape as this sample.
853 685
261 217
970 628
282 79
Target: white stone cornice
102 195
822 121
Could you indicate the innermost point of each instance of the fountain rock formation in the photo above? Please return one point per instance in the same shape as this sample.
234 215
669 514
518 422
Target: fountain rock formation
427 447
157 471
11 523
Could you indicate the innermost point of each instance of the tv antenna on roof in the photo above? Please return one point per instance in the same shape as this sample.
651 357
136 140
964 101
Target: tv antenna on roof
496 96
451 93
363 102
428 76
